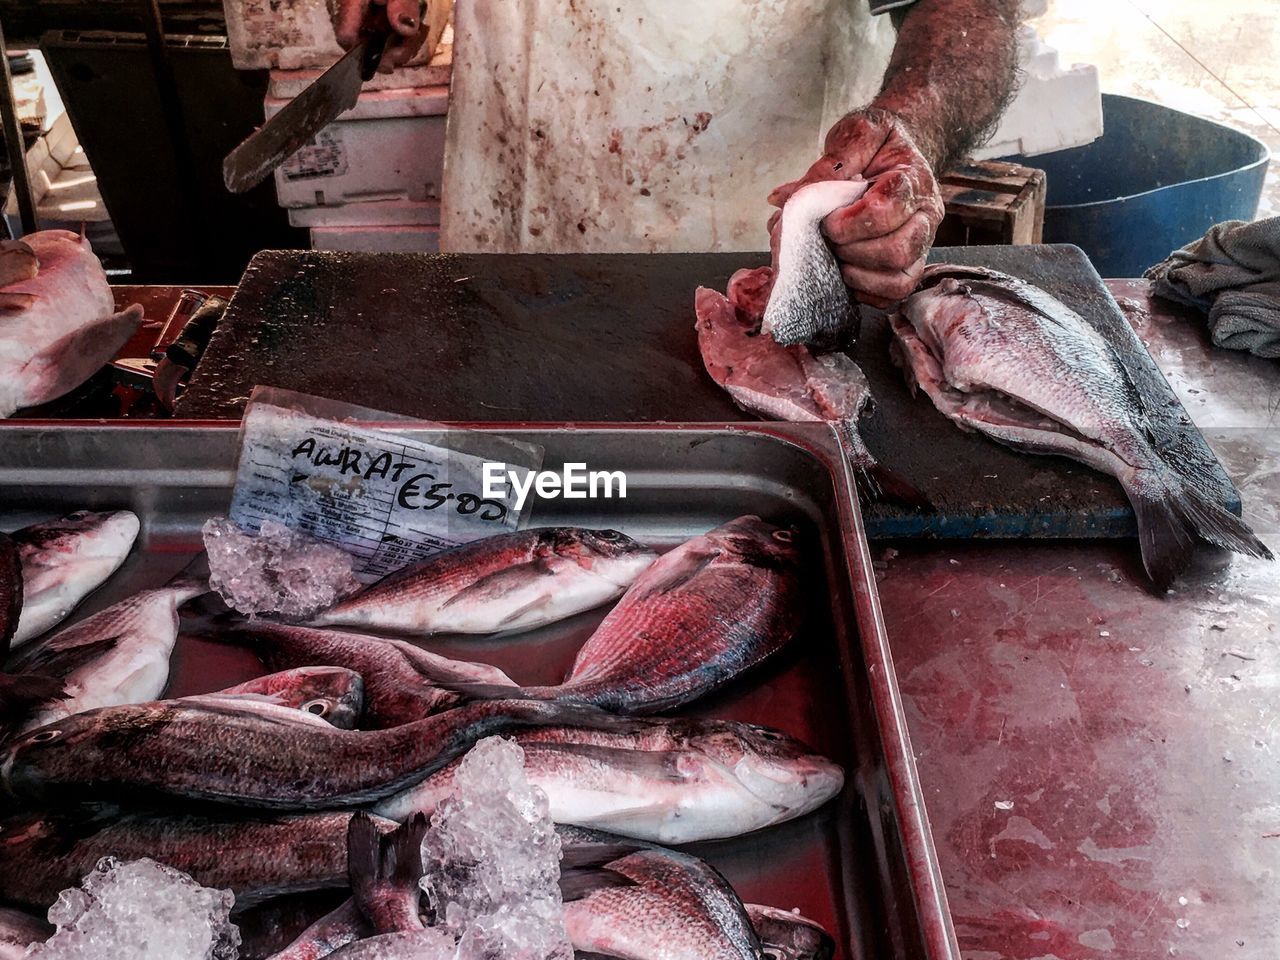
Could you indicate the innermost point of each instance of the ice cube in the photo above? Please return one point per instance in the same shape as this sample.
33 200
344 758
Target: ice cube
139 910
277 571
493 861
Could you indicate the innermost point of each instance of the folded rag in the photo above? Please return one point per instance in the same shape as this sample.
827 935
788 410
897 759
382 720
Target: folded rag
1233 273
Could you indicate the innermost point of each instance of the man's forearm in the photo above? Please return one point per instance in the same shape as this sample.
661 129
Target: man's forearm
952 73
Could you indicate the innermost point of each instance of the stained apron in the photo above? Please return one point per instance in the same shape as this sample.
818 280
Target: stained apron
644 126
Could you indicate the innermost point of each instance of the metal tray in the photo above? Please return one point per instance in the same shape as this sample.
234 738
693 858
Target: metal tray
864 865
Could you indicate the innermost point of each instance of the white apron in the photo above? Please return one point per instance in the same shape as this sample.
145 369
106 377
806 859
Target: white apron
643 125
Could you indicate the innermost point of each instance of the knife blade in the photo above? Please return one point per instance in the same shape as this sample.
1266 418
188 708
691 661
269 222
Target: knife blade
333 93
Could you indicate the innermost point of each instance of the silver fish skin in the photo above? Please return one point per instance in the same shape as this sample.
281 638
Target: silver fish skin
1000 356
18 931
399 678
65 560
513 581
788 935
334 694
675 907
713 607
810 302
43 853
60 325
250 755
671 782
117 656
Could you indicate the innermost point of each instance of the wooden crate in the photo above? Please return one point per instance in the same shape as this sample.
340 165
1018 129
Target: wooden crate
992 202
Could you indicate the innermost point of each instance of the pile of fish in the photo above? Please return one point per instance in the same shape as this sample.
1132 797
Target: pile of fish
994 354
254 788
58 321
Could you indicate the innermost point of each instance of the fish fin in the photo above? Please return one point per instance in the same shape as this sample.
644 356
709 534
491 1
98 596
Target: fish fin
676 577
584 867
497 585
21 694
877 482
71 360
580 856
475 690
378 862
590 954
579 883
1172 521
63 661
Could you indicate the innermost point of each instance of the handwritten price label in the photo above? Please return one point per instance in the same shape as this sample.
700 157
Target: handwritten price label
387 499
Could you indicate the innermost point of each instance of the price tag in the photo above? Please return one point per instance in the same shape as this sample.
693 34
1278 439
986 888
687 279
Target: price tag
386 496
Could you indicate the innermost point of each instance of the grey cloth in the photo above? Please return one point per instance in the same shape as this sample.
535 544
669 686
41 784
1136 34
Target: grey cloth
1232 273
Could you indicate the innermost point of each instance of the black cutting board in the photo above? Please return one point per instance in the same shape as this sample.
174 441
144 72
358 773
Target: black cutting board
610 337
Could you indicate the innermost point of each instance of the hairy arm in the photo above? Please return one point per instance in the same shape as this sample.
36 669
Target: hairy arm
952 73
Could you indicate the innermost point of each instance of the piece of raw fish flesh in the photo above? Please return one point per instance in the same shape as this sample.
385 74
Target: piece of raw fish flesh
399 678
119 655
665 781
810 302
65 560
669 905
59 326
787 383
263 756
705 612
384 869
787 935
18 930
44 852
513 581
334 694
1002 357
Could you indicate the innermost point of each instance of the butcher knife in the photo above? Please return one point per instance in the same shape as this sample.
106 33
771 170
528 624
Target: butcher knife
332 94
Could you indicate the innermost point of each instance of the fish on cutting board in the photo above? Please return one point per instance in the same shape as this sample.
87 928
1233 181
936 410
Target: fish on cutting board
65 560
514 581
117 656
1000 356
58 322
665 781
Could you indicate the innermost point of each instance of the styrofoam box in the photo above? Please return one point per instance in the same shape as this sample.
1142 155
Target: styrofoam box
389 146
380 213
377 239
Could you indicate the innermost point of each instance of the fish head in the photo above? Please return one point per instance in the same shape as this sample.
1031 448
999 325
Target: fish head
332 693
85 533
788 935
756 542
776 769
609 554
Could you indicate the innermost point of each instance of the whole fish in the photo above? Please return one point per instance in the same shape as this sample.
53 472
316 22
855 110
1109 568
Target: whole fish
515 581
19 930
668 905
788 383
43 853
810 302
787 935
665 781
334 694
258 756
119 655
399 678
65 560
702 614
58 321
1002 357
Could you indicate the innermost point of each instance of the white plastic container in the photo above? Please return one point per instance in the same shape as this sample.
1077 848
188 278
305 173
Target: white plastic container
377 239
388 147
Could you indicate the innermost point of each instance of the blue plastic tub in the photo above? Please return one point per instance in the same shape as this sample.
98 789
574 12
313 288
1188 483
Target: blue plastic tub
1156 179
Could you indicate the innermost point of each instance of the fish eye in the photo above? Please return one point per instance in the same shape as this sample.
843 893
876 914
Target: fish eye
609 536
44 736
316 707
784 536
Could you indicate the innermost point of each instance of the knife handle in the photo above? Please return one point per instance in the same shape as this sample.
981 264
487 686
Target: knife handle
376 31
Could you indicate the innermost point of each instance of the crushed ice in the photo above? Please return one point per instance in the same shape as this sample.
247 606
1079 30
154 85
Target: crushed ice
277 571
140 910
493 861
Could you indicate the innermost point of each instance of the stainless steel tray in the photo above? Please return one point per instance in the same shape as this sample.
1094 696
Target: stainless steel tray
864 865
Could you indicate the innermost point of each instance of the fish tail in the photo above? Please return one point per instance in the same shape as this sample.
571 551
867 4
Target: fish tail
384 870
1173 517
874 480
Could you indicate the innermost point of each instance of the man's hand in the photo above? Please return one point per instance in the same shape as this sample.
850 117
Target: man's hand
405 17
882 238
